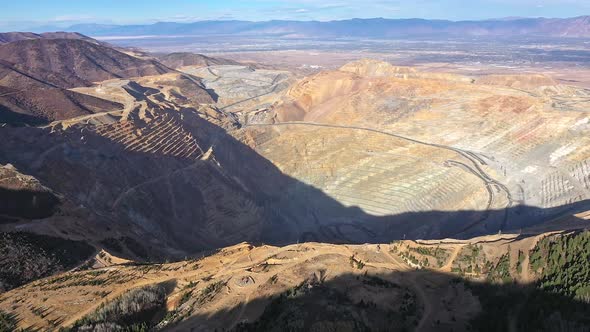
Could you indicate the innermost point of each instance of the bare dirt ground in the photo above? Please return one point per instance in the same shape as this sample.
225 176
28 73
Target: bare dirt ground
249 274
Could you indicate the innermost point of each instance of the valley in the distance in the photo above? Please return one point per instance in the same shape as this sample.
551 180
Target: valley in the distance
420 187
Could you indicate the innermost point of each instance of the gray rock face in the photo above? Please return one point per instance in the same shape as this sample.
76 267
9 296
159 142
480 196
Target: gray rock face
242 87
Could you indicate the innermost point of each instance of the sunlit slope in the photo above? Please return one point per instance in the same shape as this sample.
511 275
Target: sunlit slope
393 139
424 285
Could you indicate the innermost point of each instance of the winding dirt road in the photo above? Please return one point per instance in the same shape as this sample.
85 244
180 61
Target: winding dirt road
475 166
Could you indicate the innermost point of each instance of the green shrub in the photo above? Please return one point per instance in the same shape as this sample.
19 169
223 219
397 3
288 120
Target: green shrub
501 271
7 322
356 263
559 300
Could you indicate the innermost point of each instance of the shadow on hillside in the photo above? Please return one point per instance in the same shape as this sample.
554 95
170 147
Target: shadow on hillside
398 301
26 204
305 213
12 118
163 196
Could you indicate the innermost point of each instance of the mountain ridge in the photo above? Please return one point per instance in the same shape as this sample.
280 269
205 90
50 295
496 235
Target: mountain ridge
7 37
373 27
68 63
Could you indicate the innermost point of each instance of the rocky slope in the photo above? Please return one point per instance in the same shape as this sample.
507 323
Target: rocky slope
8 37
42 106
347 156
114 164
24 197
117 170
243 88
182 59
520 134
67 63
169 165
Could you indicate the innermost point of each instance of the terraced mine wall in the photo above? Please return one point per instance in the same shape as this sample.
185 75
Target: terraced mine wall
373 171
178 176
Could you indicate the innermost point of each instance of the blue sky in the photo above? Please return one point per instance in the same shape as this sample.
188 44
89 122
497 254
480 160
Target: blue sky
20 14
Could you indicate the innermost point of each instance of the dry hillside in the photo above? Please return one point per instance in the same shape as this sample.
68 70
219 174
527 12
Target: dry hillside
67 63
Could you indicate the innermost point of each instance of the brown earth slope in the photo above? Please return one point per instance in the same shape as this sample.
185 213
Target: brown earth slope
115 163
41 106
405 285
373 155
8 37
67 63
177 60
23 196
526 134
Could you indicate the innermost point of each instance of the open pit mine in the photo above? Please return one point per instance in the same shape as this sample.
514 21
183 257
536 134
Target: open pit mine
371 197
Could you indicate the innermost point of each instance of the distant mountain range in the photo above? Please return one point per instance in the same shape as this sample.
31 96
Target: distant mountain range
359 28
